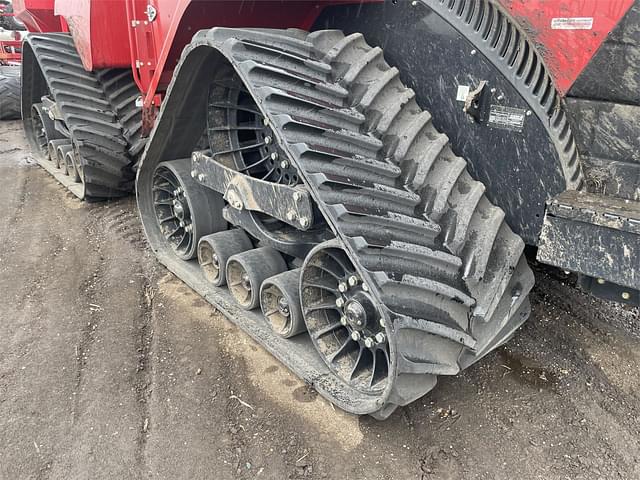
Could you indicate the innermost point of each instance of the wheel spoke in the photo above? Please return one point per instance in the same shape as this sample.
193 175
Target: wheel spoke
341 351
328 329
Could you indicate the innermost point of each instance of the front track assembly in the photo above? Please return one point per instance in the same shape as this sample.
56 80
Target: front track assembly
91 116
403 270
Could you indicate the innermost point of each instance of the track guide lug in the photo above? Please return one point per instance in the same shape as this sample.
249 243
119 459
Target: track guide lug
292 205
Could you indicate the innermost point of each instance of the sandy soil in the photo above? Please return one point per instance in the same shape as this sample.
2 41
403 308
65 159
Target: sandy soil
111 368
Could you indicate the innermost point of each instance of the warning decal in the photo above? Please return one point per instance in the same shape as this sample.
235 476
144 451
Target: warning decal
507 118
572 23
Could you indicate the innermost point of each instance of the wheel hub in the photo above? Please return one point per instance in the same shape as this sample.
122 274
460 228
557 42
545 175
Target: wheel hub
283 306
343 320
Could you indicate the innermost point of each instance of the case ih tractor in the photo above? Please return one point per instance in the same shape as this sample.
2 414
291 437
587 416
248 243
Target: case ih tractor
353 183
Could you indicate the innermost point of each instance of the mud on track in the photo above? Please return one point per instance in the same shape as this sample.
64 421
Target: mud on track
111 368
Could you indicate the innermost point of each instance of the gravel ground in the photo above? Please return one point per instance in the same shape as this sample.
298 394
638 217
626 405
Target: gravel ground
110 367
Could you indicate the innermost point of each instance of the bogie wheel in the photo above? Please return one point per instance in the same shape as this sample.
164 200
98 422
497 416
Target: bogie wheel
61 153
247 270
53 150
215 250
43 130
184 210
280 303
72 159
343 320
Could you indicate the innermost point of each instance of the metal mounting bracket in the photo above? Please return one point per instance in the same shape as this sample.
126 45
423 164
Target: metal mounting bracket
292 205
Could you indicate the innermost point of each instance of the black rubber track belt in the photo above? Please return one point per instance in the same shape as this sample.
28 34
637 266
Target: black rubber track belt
90 109
448 271
122 93
9 93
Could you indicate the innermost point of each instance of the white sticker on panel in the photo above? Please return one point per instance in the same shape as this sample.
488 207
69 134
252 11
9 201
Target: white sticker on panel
572 23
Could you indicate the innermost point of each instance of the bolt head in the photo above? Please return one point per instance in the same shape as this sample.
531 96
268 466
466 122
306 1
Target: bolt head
365 287
343 287
182 224
343 320
304 222
369 342
297 196
381 337
284 164
626 295
353 281
382 323
274 156
267 140
473 52
339 302
201 177
355 336
600 281
265 121
291 215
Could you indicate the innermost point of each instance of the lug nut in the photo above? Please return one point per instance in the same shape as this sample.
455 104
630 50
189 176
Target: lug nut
355 336
343 320
381 337
368 342
353 281
343 287
339 302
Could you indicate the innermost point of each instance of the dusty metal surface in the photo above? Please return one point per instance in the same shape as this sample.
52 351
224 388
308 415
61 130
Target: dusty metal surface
593 234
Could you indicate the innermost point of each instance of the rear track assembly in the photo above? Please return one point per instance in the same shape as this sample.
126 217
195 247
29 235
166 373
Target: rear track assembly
407 270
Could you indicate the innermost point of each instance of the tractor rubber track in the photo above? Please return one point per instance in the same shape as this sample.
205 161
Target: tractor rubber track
122 93
449 272
87 102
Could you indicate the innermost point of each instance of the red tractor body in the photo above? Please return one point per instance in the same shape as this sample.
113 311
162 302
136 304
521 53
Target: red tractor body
120 34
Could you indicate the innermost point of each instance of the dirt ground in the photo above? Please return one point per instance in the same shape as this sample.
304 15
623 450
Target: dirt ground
111 368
